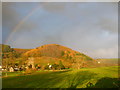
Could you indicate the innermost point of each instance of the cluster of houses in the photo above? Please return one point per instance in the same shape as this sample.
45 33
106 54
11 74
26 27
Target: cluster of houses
12 69
16 68
30 64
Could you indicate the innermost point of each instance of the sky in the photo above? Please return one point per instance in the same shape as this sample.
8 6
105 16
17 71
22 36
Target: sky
87 27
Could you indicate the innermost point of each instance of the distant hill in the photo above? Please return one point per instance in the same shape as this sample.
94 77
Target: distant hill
52 53
108 61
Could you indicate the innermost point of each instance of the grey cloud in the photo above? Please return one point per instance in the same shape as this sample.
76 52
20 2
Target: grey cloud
9 15
27 27
0 23
105 52
109 25
103 15
53 7
11 18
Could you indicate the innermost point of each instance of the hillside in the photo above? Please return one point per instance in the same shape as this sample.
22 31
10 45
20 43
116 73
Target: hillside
19 50
53 53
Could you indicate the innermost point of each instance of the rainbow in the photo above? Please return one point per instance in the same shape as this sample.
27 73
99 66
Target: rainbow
9 38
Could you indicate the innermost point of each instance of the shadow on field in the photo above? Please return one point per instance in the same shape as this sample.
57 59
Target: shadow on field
105 82
79 78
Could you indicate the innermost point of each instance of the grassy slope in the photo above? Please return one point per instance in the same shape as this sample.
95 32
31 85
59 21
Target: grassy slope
99 77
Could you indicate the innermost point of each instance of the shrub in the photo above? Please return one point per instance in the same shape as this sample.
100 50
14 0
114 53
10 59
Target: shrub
61 66
46 67
55 66
62 53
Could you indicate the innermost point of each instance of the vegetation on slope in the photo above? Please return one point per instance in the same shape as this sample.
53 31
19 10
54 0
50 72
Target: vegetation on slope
21 51
54 53
5 48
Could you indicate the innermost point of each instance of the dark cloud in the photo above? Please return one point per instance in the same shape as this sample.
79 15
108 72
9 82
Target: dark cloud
109 24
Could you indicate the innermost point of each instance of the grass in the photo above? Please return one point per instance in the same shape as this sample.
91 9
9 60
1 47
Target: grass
103 77
4 74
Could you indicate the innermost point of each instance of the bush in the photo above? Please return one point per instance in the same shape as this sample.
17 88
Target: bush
62 53
61 66
46 67
55 66
6 48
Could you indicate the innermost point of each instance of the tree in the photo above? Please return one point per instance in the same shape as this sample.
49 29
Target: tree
16 54
55 66
61 66
6 48
46 67
62 53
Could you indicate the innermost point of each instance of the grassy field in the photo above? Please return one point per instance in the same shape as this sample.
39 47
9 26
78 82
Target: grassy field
103 77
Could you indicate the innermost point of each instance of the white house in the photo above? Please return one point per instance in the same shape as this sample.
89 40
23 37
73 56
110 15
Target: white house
99 62
11 69
50 66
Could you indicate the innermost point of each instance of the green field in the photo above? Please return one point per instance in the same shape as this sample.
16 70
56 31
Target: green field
103 77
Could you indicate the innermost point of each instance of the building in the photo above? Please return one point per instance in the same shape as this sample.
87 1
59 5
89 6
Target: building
11 69
30 62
